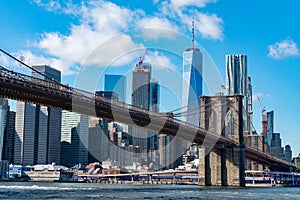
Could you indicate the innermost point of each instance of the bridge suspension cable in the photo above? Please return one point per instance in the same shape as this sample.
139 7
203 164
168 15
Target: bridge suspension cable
77 91
26 65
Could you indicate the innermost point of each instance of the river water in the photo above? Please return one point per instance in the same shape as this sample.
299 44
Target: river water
35 190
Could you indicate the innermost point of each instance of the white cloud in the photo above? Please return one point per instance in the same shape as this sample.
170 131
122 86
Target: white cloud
100 24
184 3
59 64
283 49
32 59
52 5
156 27
258 96
159 61
209 25
118 51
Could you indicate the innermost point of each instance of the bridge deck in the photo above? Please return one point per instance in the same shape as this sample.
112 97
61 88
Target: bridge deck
37 91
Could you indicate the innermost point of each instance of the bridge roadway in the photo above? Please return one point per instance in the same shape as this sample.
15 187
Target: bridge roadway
37 91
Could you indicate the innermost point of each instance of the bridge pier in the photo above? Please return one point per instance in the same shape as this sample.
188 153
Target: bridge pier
221 167
235 162
224 165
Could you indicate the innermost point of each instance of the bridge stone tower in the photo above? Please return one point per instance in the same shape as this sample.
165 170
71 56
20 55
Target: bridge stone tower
220 164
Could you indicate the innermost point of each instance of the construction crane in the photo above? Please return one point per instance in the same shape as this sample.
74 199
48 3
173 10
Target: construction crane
263 108
264 121
142 58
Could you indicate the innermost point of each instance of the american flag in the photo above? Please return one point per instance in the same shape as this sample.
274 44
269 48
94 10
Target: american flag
223 87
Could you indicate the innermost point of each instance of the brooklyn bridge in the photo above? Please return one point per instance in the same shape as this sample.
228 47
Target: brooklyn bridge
221 156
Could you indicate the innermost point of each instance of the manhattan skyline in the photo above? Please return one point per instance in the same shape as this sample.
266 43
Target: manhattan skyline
49 32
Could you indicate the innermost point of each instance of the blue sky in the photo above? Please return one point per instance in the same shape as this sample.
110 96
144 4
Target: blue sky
65 34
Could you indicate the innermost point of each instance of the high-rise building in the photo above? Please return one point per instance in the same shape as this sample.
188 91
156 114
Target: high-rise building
120 138
141 86
3 122
236 74
276 149
9 135
250 111
50 141
236 81
141 98
270 127
296 161
154 106
25 141
117 84
192 84
38 127
288 153
154 95
171 150
264 126
256 141
74 138
99 143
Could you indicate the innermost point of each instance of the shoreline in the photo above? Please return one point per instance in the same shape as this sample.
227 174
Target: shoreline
261 185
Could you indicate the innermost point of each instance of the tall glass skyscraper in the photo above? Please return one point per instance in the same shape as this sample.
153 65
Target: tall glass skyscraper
141 98
270 127
192 84
141 86
117 84
153 141
250 111
3 121
154 95
9 134
236 74
236 81
74 138
38 128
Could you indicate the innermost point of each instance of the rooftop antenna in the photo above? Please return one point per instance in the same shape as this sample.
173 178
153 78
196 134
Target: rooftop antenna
193 34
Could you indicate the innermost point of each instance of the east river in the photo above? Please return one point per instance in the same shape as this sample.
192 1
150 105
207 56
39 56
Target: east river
35 190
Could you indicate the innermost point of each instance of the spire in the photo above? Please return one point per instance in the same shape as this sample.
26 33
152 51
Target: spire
193 39
193 34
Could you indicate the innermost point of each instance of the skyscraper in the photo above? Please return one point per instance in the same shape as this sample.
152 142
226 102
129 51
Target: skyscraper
25 148
288 153
264 126
117 84
170 151
236 81
192 86
250 111
270 127
154 95
236 74
74 138
154 106
100 150
276 149
141 98
3 122
49 142
141 86
192 82
38 127
9 135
